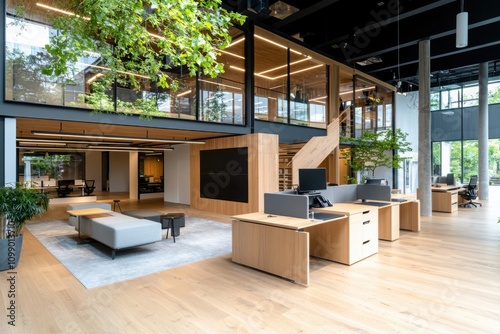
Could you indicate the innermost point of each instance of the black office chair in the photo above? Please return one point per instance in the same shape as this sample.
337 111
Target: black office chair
89 187
470 194
63 188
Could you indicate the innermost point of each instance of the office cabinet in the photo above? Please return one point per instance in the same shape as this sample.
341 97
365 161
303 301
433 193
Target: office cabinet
445 201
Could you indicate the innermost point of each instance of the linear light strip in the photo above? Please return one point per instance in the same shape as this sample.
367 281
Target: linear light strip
78 135
71 149
219 84
130 148
61 11
66 141
184 93
26 143
107 69
277 44
283 66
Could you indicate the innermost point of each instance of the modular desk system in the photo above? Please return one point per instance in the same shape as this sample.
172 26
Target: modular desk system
445 198
281 245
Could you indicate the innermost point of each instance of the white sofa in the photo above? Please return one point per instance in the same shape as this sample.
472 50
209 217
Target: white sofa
119 231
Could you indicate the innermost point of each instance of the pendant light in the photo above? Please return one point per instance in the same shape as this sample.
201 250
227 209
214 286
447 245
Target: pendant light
462 26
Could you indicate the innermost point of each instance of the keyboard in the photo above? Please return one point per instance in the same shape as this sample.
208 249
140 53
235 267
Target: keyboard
401 200
326 216
373 203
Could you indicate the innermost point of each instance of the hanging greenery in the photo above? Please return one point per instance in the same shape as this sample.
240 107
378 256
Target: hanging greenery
140 38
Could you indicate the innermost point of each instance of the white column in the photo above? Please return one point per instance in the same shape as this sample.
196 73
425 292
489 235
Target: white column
8 140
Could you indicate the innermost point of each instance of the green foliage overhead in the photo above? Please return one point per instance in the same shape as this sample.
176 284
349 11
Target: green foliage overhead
372 150
144 37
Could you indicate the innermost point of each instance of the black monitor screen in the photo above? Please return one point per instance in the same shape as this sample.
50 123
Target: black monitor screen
312 179
450 179
376 181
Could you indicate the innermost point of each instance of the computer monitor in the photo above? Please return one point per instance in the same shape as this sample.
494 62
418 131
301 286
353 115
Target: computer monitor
450 179
311 180
376 181
64 183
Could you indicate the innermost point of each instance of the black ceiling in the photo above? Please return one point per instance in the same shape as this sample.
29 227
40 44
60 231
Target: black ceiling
350 31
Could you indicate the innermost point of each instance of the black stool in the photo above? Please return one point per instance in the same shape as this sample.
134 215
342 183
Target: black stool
116 201
172 221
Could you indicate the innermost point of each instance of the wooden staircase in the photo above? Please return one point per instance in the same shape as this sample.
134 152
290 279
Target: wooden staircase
317 149
307 155
286 154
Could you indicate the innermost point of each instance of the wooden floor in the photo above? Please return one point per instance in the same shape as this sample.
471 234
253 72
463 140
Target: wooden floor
444 279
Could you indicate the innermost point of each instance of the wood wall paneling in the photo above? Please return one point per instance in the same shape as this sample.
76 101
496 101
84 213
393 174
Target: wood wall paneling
263 151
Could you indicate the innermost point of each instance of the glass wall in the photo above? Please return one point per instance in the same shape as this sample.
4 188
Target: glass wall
44 169
290 86
221 99
371 108
455 129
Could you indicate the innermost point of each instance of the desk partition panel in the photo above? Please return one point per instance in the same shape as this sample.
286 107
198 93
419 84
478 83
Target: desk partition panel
344 193
286 204
373 192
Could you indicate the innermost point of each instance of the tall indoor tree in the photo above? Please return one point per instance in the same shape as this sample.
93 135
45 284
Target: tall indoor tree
140 37
374 149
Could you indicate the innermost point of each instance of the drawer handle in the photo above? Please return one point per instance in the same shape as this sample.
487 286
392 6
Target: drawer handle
365 212
454 203
365 242
366 222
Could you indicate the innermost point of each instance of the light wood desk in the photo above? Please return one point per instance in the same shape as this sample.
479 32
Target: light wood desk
388 216
281 245
409 212
445 198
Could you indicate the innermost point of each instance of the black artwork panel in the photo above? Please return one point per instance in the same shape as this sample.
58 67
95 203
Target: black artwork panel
224 174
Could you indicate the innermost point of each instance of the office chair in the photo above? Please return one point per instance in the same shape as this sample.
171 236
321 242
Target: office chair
470 194
89 187
63 188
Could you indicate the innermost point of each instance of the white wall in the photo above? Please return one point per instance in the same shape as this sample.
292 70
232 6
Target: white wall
118 171
176 175
93 170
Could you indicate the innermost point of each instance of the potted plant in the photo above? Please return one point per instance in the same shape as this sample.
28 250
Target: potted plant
18 204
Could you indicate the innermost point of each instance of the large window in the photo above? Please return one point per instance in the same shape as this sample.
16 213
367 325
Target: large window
466 96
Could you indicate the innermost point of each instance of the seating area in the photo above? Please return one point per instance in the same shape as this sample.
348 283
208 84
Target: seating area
113 229
119 230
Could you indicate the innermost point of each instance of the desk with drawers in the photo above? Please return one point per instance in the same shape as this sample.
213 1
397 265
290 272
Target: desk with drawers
282 245
445 198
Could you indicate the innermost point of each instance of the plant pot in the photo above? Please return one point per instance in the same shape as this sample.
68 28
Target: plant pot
10 252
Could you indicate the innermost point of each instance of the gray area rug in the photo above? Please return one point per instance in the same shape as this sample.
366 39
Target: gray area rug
92 265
